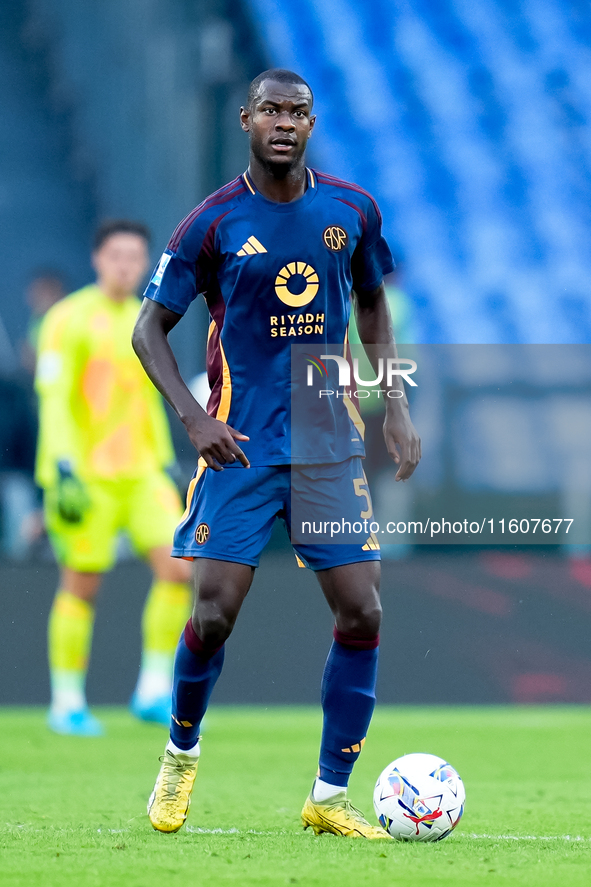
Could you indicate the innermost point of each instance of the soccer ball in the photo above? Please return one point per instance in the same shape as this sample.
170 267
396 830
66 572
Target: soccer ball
419 798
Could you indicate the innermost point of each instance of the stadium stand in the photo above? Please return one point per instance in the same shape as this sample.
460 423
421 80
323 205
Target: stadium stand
467 121
46 203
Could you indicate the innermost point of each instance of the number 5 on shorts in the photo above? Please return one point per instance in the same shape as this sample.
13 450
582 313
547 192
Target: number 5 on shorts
361 489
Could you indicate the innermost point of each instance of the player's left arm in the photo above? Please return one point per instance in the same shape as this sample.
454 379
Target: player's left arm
374 325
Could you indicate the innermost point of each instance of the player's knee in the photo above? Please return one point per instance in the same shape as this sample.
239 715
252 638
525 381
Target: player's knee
213 628
363 619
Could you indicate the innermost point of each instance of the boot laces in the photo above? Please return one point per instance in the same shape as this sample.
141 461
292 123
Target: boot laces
173 776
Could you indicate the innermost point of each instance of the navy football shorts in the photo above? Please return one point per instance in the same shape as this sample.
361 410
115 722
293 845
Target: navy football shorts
326 509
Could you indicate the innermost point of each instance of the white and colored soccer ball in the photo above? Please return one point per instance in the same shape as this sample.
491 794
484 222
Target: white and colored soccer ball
419 797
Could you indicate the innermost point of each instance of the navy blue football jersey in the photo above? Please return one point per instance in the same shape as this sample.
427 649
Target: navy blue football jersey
273 275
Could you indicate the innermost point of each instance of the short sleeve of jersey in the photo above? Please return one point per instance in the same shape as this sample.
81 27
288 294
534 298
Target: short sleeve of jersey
372 258
184 267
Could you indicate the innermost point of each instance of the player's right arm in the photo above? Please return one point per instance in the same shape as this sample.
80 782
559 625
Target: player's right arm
215 440
186 268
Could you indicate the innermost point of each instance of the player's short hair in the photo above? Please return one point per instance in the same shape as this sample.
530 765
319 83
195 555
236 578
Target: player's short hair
279 75
119 226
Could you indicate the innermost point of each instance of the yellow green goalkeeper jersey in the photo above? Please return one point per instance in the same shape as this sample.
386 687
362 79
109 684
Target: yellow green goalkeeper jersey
97 407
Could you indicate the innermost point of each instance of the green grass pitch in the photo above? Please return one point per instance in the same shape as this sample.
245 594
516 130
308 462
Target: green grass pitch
72 811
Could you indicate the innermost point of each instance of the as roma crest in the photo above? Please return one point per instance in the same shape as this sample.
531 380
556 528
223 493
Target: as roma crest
335 238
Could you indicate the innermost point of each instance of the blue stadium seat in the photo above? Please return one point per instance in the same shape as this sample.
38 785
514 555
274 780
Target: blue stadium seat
469 123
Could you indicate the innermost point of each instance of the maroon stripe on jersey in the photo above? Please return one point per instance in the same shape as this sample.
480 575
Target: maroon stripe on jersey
207 253
208 245
215 303
356 208
214 363
214 366
217 311
222 196
340 183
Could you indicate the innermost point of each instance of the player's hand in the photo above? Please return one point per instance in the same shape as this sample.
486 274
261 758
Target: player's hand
402 441
216 443
72 497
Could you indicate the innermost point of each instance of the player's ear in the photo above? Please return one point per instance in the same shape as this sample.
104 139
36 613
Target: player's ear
312 122
245 119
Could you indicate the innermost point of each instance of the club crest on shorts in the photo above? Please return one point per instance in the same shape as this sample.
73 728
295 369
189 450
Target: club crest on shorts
202 534
335 238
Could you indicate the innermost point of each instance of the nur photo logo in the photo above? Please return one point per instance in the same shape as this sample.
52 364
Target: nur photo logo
388 370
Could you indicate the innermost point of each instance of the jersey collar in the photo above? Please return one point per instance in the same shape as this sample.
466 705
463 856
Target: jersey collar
308 195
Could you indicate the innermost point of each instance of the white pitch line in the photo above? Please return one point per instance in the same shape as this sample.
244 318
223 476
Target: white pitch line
212 831
236 831
575 838
195 830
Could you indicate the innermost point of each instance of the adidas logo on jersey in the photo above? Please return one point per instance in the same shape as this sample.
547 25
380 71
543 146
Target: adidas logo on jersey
251 247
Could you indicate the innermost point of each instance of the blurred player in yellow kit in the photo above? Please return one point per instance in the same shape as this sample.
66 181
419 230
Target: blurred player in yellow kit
104 442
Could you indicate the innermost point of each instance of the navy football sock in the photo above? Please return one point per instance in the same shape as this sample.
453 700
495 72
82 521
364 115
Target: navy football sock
196 670
348 699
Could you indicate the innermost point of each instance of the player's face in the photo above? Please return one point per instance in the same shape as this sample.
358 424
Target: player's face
280 122
121 263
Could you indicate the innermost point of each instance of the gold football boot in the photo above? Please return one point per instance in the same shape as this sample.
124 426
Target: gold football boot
170 801
338 816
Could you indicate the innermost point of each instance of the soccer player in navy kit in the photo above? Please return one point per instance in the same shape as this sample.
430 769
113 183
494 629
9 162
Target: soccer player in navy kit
276 254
